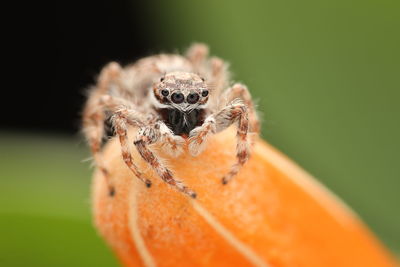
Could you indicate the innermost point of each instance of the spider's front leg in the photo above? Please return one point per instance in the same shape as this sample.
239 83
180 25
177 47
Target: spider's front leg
170 143
234 111
123 115
120 119
149 135
240 91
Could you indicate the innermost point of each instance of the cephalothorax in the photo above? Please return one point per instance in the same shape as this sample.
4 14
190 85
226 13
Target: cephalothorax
172 99
180 100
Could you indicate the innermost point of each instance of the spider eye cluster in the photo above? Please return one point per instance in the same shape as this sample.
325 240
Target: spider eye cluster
178 97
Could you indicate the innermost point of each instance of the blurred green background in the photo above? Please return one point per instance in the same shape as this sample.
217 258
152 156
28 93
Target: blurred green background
326 75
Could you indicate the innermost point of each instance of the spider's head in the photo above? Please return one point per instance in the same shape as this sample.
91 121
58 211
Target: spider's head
183 91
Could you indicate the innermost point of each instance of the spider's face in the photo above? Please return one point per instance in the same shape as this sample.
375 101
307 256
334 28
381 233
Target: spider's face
183 91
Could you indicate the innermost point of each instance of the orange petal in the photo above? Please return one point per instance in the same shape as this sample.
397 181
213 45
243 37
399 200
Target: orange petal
272 214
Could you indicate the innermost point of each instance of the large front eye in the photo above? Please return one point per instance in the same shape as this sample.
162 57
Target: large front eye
192 98
177 98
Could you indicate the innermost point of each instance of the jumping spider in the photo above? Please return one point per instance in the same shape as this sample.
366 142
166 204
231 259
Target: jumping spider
172 99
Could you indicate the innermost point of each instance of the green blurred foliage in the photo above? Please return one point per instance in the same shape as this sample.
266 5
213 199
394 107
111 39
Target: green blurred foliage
45 215
326 76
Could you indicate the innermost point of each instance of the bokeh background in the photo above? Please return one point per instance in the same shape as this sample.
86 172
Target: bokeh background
326 75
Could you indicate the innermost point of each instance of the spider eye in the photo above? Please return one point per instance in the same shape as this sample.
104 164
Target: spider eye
177 98
164 92
204 93
192 98
202 79
162 79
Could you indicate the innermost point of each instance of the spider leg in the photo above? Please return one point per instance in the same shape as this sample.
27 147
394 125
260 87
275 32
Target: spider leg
197 54
120 119
93 116
240 91
170 143
199 135
219 76
237 111
234 111
150 135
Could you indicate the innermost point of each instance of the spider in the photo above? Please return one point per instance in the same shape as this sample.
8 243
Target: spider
172 99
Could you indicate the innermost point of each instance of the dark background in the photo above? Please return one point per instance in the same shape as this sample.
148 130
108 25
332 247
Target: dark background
65 51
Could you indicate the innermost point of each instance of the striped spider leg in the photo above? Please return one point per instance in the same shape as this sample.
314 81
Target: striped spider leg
238 109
